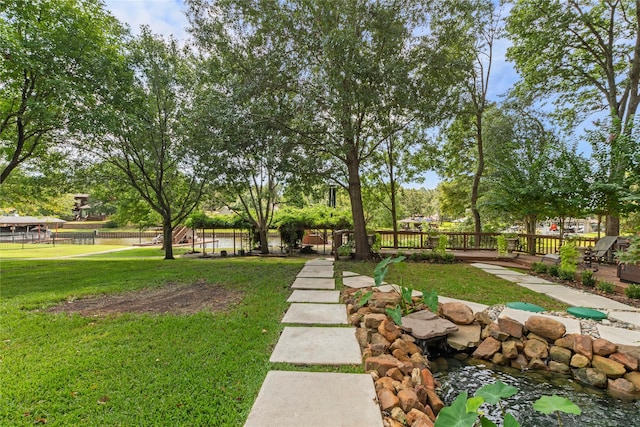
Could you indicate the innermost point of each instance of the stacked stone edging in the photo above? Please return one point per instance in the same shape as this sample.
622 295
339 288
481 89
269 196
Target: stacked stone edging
404 384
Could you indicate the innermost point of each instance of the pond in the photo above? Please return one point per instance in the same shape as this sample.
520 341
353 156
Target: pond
598 409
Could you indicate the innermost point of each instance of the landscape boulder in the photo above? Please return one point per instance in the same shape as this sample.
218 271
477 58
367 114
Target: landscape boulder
459 313
550 329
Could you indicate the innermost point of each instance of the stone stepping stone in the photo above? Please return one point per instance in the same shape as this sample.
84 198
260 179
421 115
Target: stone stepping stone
572 325
619 336
396 288
300 295
632 317
307 345
489 266
315 272
474 306
358 281
586 313
349 274
320 399
320 262
313 283
324 314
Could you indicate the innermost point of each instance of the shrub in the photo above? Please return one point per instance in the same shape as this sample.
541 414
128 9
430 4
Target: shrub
605 286
553 270
566 274
111 224
568 257
539 267
588 279
633 291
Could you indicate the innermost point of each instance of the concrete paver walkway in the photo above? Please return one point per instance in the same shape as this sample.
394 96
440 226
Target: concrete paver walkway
301 295
311 313
317 346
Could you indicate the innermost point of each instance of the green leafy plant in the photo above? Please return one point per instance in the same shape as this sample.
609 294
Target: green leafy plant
345 250
569 257
606 287
633 291
588 279
553 270
632 254
567 274
539 267
501 242
441 248
465 411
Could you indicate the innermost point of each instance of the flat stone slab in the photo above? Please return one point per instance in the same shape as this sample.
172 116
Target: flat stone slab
321 399
572 325
466 336
313 283
324 314
358 281
320 261
474 306
575 297
425 324
349 274
632 317
317 346
482 265
300 295
619 336
316 271
396 288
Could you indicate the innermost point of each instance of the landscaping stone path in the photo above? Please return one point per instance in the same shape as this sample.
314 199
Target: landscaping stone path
318 335
316 398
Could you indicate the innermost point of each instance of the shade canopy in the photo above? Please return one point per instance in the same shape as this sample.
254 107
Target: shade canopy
8 221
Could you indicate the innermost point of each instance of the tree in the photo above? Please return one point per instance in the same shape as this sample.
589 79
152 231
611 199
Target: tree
355 71
585 55
151 139
56 58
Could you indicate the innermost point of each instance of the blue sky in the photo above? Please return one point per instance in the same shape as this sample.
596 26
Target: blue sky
166 17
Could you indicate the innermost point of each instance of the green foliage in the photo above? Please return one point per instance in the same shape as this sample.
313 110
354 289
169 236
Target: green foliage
632 254
588 279
632 291
345 250
566 274
465 412
539 267
441 248
501 242
432 257
568 257
554 270
606 286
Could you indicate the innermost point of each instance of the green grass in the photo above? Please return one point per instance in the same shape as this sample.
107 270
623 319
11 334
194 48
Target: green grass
12 251
460 281
202 369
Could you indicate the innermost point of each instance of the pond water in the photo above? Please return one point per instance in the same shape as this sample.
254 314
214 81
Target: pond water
598 409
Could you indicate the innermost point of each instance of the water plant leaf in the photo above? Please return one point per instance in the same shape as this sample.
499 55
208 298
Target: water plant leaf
486 422
492 393
456 415
549 404
431 300
406 295
510 421
364 299
395 314
474 403
382 268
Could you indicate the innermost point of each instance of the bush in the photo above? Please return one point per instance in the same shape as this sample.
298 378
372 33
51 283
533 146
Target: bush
633 291
111 224
607 287
553 270
539 268
588 279
568 257
567 274
432 257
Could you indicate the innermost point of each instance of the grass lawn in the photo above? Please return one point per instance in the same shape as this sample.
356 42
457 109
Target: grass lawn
164 369
11 251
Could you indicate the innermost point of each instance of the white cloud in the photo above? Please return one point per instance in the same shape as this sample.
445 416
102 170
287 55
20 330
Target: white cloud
165 17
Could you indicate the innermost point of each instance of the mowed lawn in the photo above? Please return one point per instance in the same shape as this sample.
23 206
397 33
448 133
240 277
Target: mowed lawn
136 369
163 369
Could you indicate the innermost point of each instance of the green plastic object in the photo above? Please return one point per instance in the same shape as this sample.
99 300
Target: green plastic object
526 306
587 313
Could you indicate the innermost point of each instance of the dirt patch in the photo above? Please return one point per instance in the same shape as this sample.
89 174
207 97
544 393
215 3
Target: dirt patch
170 299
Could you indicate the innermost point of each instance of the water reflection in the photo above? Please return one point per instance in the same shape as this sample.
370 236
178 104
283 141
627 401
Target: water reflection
598 409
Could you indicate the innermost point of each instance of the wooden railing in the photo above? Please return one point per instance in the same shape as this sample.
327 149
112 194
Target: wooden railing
466 241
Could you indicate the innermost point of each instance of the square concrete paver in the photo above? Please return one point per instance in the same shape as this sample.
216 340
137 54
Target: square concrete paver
316 271
317 346
320 261
319 399
300 295
632 317
323 314
313 283
358 281
619 336
572 325
483 266
349 274
396 288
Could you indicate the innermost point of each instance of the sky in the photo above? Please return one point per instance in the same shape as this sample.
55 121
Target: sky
166 17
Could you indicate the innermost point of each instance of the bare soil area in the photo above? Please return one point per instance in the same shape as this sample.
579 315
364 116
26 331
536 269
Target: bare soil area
170 299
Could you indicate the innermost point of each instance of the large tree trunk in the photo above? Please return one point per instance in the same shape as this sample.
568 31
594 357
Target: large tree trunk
363 251
264 243
530 225
476 179
612 227
167 238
